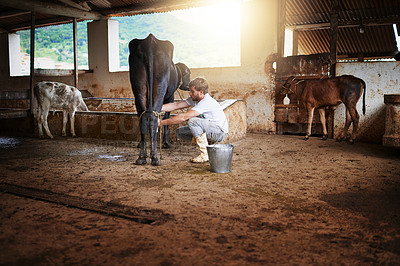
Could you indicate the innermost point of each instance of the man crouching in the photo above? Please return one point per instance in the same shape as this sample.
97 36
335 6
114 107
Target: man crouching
207 120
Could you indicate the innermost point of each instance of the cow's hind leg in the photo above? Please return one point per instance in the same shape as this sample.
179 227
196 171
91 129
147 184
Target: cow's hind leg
355 117
72 122
39 122
153 125
347 124
166 142
323 122
309 124
43 117
143 126
65 119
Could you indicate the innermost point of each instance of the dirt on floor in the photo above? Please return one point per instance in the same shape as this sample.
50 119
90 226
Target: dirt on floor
285 201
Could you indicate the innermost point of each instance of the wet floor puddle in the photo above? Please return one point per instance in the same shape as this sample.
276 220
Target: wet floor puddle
6 142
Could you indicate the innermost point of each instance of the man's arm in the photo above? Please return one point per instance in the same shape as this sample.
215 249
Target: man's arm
169 107
179 118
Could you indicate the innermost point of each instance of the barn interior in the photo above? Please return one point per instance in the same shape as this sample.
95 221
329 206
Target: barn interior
333 202
325 42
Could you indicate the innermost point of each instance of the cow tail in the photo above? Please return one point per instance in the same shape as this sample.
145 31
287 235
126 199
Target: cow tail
364 92
150 77
82 105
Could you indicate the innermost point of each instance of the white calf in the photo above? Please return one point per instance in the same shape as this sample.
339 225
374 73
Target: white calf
57 95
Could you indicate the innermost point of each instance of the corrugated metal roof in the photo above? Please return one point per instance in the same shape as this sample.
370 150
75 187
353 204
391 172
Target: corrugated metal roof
303 12
311 20
376 41
307 12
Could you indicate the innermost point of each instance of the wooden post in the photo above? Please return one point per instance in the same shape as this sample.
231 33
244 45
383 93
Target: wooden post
295 48
32 74
360 57
333 36
281 27
332 58
75 30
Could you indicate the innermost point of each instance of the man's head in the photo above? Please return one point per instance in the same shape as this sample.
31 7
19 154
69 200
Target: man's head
200 84
198 88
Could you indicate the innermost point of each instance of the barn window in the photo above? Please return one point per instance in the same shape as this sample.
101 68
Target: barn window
53 48
202 37
396 32
288 44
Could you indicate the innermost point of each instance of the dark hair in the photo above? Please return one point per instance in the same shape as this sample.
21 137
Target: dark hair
200 84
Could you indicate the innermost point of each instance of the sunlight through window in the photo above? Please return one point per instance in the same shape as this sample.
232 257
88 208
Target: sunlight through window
202 37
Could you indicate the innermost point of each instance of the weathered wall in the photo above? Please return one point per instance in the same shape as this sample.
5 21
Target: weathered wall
392 121
102 82
380 78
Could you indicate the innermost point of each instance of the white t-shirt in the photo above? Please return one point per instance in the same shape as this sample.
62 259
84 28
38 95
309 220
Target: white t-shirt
211 110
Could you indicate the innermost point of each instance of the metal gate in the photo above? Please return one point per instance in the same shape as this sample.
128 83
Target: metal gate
292 118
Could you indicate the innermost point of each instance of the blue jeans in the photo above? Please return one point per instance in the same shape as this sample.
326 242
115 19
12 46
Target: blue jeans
197 126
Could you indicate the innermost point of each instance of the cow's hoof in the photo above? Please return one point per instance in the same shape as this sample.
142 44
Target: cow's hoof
324 137
156 161
166 145
306 137
351 142
339 139
141 161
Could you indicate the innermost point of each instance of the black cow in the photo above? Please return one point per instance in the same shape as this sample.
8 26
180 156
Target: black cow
318 94
154 79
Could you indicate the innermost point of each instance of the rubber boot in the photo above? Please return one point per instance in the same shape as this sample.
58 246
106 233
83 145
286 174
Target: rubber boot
202 142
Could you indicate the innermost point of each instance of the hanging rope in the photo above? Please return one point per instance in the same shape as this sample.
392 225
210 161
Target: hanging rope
181 80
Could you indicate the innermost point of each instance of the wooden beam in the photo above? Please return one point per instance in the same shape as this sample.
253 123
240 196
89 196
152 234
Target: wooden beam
333 35
281 27
367 55
39 23
9 14
346 24
51 8
75 33
295 47
32 74
75 5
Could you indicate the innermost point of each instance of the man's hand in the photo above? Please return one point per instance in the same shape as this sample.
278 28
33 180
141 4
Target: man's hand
177 119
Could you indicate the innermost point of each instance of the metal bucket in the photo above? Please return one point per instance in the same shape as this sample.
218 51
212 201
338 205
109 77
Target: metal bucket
220 156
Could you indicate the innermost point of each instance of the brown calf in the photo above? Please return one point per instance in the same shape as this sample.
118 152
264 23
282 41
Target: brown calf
318 94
